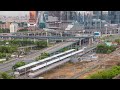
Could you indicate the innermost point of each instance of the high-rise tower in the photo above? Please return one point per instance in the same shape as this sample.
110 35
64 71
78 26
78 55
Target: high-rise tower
32 18
114 17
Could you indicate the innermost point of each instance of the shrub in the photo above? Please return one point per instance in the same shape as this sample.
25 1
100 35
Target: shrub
25 42
106 74
42 56
117 41
23 30
18 64
4 30
41 44
64 49
2 55
4 75
7 49
105 49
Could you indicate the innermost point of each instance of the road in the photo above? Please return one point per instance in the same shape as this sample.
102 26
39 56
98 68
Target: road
52 49
30 58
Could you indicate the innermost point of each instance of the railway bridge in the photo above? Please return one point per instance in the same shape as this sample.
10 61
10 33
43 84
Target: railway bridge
81 40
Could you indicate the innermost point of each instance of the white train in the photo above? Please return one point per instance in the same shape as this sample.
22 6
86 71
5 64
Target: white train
37 70
26 68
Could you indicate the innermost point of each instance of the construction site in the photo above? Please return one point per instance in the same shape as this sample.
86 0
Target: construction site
85 68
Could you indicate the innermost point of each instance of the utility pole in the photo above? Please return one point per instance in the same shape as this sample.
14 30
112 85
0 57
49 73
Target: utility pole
101 15
101 18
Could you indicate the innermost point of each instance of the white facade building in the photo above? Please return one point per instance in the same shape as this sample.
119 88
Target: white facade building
52 19
13 27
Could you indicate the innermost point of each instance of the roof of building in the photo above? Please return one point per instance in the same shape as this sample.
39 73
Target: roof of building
74 26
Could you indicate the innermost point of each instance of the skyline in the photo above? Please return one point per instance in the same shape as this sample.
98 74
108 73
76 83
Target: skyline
22 13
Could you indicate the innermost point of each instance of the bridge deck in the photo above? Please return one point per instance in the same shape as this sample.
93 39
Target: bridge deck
45 37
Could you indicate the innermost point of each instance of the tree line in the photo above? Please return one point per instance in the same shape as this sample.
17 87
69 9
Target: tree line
4 30
7 50
40 44
14 44
23 30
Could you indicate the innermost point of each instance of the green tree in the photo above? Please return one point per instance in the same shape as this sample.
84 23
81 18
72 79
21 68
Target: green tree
64 49
7 49
4 75
26 50
4 30
23 30
8 56
117 41
41 44
2 55
42 56
18 64
102 48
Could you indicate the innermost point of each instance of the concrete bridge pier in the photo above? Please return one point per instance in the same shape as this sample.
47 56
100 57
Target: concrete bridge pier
46 34
47 42
61 36
34 39
80 42
90 41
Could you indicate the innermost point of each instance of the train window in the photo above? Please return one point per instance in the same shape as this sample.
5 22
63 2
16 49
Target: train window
32 66
21 71
32 71
29 67
17 70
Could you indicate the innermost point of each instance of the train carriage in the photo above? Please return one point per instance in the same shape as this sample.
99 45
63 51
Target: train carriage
37 70
26 68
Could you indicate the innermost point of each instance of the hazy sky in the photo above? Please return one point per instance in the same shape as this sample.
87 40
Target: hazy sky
17 13
13 13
